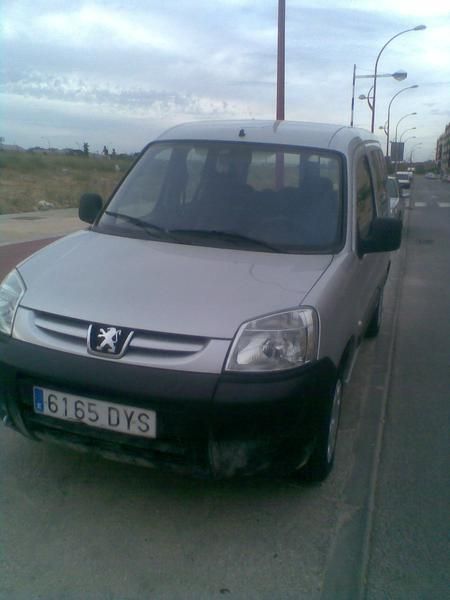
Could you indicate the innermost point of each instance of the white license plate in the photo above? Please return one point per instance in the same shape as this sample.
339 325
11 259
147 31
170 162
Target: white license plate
95 413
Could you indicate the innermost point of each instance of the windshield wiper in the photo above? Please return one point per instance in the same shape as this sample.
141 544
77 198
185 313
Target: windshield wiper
226 236
148 227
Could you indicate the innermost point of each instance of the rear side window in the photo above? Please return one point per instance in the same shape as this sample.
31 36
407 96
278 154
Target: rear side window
380 182
365 211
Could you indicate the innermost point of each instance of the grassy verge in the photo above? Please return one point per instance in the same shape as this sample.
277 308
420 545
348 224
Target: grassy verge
27 179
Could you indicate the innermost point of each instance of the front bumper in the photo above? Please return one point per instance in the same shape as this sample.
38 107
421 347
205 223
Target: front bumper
207 424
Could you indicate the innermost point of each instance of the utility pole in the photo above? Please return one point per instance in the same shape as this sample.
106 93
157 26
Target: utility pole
279 160
281 59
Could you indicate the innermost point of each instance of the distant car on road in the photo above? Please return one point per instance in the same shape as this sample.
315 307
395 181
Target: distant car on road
404 181
431 175
395 199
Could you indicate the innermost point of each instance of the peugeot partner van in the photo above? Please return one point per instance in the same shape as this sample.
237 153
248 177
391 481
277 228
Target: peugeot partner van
207 318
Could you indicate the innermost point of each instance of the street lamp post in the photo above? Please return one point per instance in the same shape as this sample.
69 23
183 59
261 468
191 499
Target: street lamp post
399 121
412 150
418 28
389 113
406 130
368 97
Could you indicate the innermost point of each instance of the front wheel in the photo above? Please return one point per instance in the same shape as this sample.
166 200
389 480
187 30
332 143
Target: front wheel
321 460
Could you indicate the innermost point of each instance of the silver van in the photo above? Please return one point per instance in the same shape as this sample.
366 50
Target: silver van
207 318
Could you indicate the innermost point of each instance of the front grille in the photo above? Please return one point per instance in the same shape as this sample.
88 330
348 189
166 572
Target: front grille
70 335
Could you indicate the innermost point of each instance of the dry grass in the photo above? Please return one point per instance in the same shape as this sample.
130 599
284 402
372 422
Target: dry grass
26 179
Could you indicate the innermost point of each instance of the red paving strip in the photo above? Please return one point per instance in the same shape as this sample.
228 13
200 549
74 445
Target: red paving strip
12 254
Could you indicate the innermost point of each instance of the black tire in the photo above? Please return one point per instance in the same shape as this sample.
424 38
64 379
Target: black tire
376 319
321 460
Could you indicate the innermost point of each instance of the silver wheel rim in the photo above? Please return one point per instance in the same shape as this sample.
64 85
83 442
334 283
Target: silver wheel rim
334 420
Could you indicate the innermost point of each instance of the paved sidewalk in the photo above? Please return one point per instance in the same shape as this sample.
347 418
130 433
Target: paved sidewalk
24 227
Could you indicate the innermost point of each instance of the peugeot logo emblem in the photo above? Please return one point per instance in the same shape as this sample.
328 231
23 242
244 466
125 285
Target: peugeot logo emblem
109 339
106 340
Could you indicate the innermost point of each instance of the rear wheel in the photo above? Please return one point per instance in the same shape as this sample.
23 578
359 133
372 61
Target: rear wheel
321 460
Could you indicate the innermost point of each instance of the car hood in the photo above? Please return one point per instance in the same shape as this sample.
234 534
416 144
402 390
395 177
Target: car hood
165 287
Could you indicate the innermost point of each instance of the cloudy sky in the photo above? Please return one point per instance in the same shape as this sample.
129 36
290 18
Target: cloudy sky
118 72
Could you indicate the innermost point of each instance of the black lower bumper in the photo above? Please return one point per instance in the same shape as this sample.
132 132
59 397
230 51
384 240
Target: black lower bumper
207 424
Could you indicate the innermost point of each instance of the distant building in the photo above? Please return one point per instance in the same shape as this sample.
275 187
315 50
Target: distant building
37 150
11 148
40 150
443 152
72 152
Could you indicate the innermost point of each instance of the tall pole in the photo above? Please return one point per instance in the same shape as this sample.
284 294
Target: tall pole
411 87
281 59
279 160
353 95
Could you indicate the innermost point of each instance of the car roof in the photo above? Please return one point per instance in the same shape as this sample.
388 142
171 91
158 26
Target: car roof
296 133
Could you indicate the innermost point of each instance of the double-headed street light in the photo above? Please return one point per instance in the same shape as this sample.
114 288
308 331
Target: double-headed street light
398 76
410 87
418 28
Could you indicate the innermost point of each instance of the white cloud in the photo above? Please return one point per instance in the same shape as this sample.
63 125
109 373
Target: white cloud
92 25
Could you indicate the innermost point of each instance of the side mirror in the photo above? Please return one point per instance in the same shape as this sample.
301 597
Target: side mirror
385 236
90 207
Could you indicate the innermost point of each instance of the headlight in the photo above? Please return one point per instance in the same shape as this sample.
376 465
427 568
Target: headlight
12 289
277 342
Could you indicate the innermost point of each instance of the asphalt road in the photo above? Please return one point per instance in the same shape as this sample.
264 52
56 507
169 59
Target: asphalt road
409 545
74 527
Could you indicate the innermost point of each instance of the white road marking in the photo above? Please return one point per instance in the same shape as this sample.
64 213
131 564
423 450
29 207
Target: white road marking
444 204
420 204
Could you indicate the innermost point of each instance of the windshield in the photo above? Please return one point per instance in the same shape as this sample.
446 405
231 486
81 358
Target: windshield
233 195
